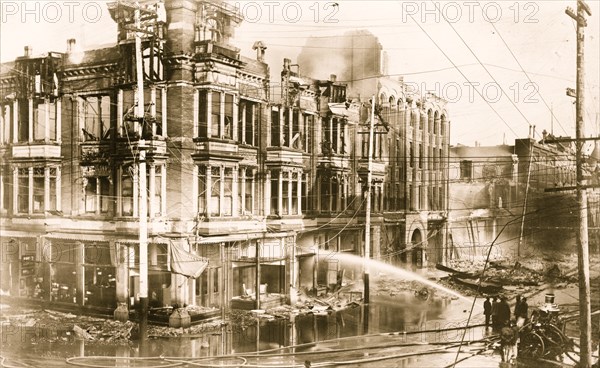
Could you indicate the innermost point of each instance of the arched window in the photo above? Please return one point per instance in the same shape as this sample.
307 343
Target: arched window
213 30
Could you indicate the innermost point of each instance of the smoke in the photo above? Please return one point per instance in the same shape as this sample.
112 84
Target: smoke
352 56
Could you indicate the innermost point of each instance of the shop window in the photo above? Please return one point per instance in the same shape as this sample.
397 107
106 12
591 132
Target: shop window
99 276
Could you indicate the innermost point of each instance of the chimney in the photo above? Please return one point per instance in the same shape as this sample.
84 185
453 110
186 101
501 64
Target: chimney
71 45
28 51
333 77
286 64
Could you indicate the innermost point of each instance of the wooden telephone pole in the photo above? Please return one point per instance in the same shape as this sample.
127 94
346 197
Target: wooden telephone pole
367 251
585 318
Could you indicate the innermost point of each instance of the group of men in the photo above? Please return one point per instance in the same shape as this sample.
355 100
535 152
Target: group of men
498 311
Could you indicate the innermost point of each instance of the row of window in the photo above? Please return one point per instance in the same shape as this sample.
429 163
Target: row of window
392 112
222 191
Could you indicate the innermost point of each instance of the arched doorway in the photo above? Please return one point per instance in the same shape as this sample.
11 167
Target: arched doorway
417 249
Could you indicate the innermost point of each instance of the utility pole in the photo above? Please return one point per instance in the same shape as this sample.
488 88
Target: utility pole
141 172
367 254
585 318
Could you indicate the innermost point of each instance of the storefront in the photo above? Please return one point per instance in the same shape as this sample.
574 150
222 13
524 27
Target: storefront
99 276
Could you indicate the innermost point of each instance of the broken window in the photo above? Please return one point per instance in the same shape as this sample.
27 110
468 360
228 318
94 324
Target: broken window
228 122
37 189
202 114
215 114
43 120
275 193
248 122
227 192
333 193
246 190
215 192
285 184
96 117
202 190
96 194
215 120
275 127
155 201
466 169
306 203
23 190
308 129
127 191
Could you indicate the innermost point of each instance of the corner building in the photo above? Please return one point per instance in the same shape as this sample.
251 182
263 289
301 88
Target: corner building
260 186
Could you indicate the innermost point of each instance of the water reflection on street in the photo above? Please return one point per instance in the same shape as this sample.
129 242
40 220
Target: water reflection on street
309 332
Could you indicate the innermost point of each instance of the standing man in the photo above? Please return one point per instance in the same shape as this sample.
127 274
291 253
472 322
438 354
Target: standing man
523 312
495 307
487 311
503 313
517 306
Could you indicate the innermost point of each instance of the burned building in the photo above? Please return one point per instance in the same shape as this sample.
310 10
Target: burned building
411 147
244 193
521 194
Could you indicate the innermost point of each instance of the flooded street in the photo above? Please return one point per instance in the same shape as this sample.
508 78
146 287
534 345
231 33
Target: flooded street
396 326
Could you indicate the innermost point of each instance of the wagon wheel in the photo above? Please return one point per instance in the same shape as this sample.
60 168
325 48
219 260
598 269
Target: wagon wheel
556 342
532 345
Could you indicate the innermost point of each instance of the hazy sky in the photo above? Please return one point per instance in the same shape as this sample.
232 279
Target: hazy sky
457 49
